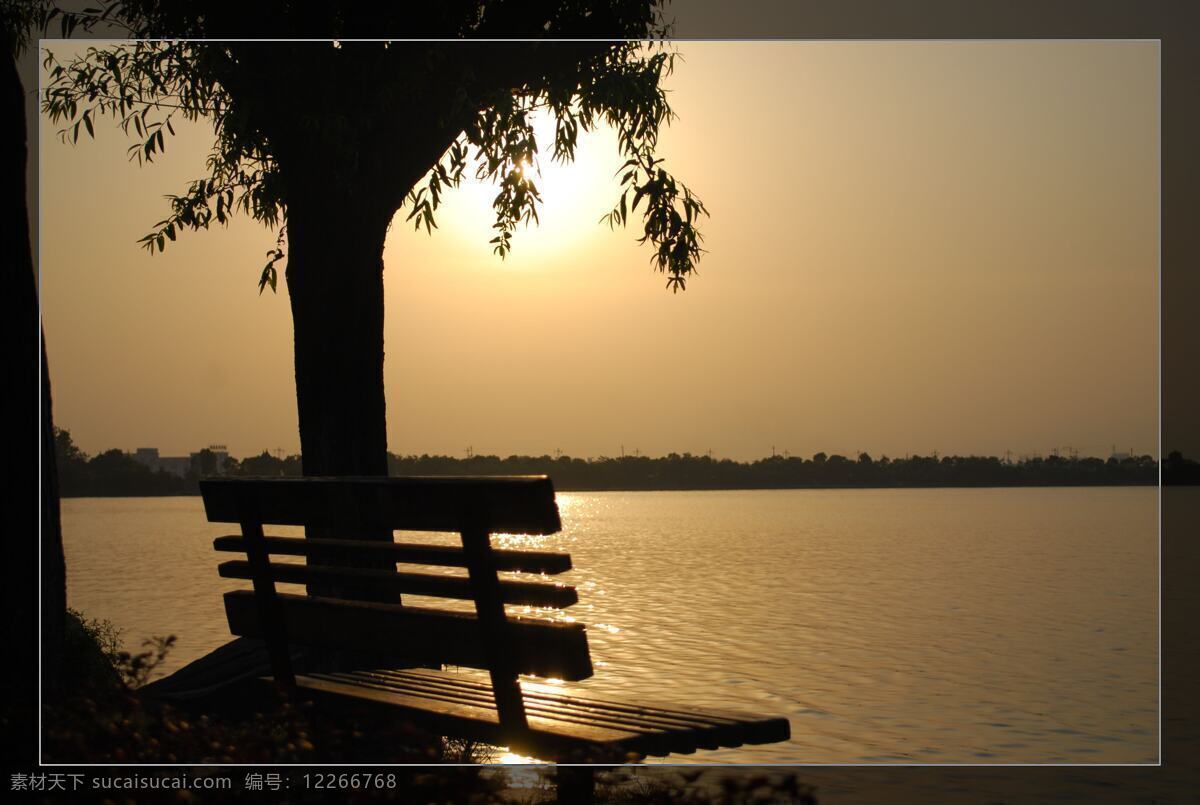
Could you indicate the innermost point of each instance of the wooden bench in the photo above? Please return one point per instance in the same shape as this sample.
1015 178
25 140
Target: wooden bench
543 721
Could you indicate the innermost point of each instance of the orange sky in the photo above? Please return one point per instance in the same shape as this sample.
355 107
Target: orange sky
914 247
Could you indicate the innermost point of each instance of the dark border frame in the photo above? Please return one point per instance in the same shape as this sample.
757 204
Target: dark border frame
1176 23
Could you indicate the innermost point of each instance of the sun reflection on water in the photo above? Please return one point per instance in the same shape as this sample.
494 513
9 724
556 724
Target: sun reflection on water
518 541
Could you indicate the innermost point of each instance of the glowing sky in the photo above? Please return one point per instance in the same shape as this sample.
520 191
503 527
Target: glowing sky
914 246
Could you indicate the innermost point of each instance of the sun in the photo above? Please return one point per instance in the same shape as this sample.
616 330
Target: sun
575 194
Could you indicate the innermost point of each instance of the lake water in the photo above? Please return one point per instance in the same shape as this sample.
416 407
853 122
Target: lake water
890 626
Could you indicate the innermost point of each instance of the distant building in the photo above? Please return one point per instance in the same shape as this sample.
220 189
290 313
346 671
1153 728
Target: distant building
181 465
176 465
221 460
146 455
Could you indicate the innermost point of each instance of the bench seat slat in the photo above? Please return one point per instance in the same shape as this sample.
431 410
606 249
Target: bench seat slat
511 504
731 728
544 738
683 736
712 729
514 592
656 736
548 562
752 730
539 646
640 730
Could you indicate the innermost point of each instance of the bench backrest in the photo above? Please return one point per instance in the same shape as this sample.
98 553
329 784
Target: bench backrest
505 504
341 509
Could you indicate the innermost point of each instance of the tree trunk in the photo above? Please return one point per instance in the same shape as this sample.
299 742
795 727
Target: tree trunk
24 555
54 567
335 282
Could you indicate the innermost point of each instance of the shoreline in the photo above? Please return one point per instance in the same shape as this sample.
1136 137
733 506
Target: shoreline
575 488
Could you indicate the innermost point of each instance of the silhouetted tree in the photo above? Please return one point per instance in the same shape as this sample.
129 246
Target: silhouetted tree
72 464
65 448
263 466
328 140
22 549
204 463
115 472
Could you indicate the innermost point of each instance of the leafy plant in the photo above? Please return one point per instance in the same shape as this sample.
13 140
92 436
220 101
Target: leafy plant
96 655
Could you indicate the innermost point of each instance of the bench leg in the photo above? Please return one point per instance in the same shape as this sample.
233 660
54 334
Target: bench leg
575 784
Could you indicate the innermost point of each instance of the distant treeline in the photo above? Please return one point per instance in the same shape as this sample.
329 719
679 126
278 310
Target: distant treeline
114 472
689 471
